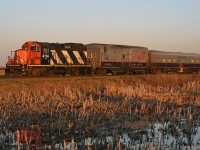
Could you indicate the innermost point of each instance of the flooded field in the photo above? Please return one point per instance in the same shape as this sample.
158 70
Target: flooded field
126 112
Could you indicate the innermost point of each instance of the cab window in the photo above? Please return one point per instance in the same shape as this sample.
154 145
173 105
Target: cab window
38 48
33 48
45 51
25 47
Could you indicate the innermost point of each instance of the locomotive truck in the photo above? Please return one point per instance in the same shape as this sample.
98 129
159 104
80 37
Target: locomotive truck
43 58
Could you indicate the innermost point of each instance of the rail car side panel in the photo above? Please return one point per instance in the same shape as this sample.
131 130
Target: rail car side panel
119 58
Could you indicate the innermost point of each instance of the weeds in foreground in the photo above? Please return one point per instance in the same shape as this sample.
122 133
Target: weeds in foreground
93 104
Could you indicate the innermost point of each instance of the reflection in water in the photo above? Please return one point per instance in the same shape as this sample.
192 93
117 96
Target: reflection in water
171 128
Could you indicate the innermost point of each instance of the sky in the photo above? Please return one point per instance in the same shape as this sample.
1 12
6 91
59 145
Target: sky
166 25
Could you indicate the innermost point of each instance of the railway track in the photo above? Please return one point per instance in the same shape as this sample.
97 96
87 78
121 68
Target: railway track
2 75
53 76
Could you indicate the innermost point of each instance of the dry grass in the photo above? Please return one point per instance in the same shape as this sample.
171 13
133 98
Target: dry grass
2 72
93 103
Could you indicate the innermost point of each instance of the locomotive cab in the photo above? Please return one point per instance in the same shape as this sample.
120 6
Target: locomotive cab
31 53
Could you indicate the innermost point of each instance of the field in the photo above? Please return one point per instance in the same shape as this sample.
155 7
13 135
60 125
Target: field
97 106
177 89
2 72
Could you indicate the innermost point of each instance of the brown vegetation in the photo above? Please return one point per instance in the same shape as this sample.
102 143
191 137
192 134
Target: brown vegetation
103 105
2 72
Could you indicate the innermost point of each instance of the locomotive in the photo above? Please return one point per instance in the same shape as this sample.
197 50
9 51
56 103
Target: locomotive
43 58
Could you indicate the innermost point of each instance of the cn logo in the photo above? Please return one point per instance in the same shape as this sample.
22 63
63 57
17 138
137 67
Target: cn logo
139 55
180 65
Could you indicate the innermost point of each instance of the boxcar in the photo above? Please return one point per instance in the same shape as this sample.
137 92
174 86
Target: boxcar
174 62
109 58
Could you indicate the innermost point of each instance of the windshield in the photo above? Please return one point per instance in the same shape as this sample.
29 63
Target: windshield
25 47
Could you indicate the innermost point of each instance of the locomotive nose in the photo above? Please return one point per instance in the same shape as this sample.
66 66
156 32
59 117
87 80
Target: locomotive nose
20 56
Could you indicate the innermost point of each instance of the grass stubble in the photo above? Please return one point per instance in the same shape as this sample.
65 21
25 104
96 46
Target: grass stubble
94 105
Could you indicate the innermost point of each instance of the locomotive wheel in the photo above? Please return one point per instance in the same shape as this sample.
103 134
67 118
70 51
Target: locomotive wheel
16 73
33 72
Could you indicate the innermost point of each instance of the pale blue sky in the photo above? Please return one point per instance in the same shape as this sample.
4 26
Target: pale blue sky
170 25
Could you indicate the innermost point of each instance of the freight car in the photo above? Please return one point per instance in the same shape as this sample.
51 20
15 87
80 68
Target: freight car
41 58
174 62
